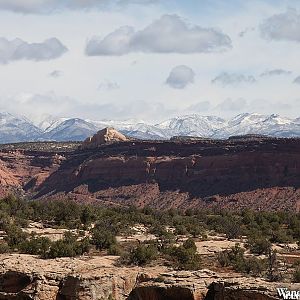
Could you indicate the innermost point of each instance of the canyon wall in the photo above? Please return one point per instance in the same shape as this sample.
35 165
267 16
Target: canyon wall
258 174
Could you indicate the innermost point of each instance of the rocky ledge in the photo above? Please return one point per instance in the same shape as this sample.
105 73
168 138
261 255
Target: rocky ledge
93 278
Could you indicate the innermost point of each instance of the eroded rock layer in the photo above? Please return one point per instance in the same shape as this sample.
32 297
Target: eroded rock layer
234 174
27 277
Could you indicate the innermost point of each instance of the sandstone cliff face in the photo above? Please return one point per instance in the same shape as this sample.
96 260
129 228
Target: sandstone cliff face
21 171
228 174
27 277
257 175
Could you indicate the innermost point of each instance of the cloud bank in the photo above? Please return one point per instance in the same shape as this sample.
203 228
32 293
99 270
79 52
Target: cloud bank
52 6
233 79
285 26
18 49
275 72
169 34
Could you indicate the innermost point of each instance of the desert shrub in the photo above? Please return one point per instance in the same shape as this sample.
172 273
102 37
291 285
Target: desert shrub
185 257
235 257
254 266
142 254
223 259
15 236
114 250
180 229
259 245
35 246
4 248
103 239
69 246
280 236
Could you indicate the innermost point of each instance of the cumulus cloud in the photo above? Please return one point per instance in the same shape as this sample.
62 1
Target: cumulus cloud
180 77
233 79
18 49
275 72
56 74
169 34
297 80
285 26
107 85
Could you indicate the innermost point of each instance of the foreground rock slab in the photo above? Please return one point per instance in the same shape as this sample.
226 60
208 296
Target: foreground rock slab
95 278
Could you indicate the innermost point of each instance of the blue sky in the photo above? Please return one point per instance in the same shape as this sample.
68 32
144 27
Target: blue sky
149 59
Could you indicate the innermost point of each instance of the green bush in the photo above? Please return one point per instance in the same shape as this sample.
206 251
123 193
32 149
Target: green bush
4 248
235 258
68 247
103 239
15 236
142 254
35 246
259 245
185 257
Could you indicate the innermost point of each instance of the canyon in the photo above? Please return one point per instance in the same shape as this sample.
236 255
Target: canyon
252 172
257 173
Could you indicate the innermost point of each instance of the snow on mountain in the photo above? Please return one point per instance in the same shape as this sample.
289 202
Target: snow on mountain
192 125
71 130
254 123
15 128
49 122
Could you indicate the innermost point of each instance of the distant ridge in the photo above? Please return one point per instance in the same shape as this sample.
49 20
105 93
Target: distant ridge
15 128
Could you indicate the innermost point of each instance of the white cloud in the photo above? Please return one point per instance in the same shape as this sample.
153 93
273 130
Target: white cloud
202 106
275 72
180 77
232 105
285 26
50 6
169 34
56 74
233 79
297 80
18 49
108 85
61 106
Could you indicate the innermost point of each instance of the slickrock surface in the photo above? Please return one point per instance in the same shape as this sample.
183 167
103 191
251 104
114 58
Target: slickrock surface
234 174
91 278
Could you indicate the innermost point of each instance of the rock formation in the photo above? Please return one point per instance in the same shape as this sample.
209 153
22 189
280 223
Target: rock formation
258 174
27 277
254 174
104 136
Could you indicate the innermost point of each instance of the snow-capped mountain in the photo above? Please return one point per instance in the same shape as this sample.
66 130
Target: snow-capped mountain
49 122
192 125
70 130
16 129
254 123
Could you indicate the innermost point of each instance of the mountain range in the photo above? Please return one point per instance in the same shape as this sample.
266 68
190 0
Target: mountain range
15 128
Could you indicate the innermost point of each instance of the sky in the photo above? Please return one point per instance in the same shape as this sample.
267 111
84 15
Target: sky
149 59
